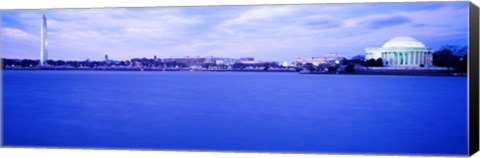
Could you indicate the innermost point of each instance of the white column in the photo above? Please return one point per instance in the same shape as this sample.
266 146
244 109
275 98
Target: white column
429 59
425 58
393 58
422 59
405 56
413 58
416 58
383 58
392 54
396 58
389 54
419 58
400 58
388 59
410 58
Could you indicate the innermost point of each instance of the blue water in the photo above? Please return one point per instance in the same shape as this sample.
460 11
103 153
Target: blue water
236 111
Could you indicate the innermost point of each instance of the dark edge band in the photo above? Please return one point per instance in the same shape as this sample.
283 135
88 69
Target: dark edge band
1 82
473 80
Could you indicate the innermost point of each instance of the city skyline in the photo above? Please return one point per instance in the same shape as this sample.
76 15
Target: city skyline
275 32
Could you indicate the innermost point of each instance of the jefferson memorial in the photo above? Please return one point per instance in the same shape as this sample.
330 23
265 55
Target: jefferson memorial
402 52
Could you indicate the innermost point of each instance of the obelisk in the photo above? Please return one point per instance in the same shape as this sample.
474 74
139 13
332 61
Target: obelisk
43 42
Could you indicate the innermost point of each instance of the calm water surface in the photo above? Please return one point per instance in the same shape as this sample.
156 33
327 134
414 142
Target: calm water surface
236 111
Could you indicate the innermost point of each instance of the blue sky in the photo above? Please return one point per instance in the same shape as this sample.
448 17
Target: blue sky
275 32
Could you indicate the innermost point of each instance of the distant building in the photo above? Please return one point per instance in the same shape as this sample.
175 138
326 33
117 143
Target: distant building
209 60
402 51
106 57
313 60
43 42
187 61
225 61
330 58
201 61
251 60
247 59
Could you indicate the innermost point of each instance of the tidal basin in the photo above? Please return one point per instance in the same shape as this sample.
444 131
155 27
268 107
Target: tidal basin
236 111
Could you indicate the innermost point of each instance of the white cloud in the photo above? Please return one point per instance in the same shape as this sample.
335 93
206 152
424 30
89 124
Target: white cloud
17 34
255 17
260 13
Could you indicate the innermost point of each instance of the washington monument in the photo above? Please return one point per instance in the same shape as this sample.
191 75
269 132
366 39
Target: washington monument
44 42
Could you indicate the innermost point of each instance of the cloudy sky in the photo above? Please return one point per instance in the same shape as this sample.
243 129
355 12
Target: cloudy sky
278 32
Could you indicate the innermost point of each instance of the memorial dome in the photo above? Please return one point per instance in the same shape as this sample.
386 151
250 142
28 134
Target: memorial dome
403 42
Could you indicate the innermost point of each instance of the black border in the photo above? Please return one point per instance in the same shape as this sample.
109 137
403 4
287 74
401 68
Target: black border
473 80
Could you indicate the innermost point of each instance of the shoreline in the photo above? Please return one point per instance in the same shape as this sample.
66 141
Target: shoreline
452 74
369 72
